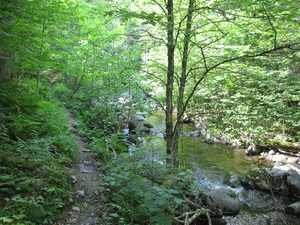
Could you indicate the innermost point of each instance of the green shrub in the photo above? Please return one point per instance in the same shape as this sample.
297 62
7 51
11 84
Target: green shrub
61 92
137 201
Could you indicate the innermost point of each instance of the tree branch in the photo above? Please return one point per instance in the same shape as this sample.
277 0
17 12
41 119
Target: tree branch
208 70
147 94
161 7
240 114
272 26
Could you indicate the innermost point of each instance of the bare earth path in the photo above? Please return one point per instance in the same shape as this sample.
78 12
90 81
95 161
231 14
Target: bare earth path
86 209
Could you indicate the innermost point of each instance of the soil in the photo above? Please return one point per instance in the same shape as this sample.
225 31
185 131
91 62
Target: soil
86 204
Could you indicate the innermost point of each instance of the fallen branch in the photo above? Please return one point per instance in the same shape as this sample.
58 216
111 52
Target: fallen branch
194 215
191 203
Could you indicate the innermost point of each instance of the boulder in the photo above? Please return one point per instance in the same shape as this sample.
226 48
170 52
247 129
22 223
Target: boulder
277 158
139 124
293 160
135 121
121 117
287 166
283 179
148 125
263 179
293 181
259 201
224 199
76 209
235 142
232 180
293 209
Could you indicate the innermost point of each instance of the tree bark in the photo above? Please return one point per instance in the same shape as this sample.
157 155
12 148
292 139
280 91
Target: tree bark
182 83
173 130
170 82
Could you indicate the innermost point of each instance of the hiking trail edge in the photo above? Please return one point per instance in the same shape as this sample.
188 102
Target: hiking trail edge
86 200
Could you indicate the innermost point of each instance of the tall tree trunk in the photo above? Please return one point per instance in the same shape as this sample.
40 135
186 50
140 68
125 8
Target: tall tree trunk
183 79
170 82
173 130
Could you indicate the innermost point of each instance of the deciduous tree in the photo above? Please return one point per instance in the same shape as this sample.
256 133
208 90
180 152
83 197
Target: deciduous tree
204 38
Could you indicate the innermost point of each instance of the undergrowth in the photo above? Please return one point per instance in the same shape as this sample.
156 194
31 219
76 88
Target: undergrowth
36 145
137 198
138 188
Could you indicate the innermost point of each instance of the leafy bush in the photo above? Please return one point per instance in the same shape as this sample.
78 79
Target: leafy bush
61 92
143 191
136 200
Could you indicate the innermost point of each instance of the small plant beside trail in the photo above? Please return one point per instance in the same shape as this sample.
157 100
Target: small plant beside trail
134 200
142 191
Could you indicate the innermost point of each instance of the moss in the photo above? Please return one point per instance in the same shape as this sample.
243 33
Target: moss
255 173
233 195
284 145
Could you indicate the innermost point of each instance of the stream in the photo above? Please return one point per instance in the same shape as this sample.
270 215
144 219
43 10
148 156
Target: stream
213 165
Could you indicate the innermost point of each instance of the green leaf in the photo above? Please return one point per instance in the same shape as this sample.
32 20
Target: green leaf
6 219
114 215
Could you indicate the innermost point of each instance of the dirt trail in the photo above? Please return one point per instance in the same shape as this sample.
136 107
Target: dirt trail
86 209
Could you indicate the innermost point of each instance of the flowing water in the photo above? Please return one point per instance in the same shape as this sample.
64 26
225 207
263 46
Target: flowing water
212 164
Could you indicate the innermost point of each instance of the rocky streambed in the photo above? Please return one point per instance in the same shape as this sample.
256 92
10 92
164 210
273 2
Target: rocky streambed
266 193
258 189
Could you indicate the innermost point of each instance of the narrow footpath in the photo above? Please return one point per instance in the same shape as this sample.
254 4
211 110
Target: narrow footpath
86 205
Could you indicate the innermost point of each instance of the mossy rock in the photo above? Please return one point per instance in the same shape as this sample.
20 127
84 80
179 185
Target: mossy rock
224 199
266 179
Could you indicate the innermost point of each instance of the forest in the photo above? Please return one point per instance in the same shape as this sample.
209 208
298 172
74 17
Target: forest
228 70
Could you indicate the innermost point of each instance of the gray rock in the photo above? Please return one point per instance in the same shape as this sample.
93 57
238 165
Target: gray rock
139 124
283 179
236 142
293 209
277 158
74 179
293 159
195 133
253 150
259 201
276 173
121 117
234 181
81 193
265 179
287 167
293 181
76 209
224 199
148 125
272 152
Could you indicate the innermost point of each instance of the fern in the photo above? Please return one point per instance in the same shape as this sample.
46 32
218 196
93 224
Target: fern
115 206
